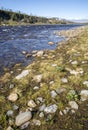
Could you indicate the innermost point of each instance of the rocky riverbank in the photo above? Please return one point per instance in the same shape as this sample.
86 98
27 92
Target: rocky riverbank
52 92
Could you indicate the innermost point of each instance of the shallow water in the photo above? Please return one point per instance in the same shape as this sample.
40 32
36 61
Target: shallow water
14 40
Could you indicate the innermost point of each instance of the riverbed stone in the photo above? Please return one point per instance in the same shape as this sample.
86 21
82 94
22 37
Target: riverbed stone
64 80
42 107
51 43
37 78
53 94
9 113
36 122
9 128
13 97
85 83
23 118
51 109
25 125
31 104
41 115
73 105
23 74
60 90
40 53
74 62
84 95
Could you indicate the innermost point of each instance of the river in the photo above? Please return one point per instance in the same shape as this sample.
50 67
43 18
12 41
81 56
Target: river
15 39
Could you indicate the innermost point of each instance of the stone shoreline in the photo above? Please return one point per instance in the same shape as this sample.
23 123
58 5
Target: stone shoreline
52 92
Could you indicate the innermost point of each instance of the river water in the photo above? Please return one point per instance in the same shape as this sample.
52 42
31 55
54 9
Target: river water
14 40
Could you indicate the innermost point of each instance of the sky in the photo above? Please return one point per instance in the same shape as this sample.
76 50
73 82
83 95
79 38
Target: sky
68 9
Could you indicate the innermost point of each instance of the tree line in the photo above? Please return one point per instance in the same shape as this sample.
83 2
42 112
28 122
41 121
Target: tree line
8 16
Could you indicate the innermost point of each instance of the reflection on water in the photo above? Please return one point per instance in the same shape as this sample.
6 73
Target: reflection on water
14 40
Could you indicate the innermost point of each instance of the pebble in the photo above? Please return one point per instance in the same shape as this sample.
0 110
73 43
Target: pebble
50 43
73 105
41 115
51 109
15 107
40 53
84 95
13 97
38 78
9 113
74 63
36 122
60 90
11 86
64 80
41 99
36 88
41 108
23 118
31 104
85 83
53 94
9 128
25 125
23 74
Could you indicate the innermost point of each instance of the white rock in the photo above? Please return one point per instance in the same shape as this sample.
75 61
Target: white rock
51 82
22 118
61 113
60 90
72 111
9 128
31 104
9 113
11 86
15 107
40 53
51 109
73 105
74 63
41 99
13 97
23 74
53 94
84 95
64 80
54 65
38 78
41 115
85 83
74 72
41 108
25 125
36 88
36 122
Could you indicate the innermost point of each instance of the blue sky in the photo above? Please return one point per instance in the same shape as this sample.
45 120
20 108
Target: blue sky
69 9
